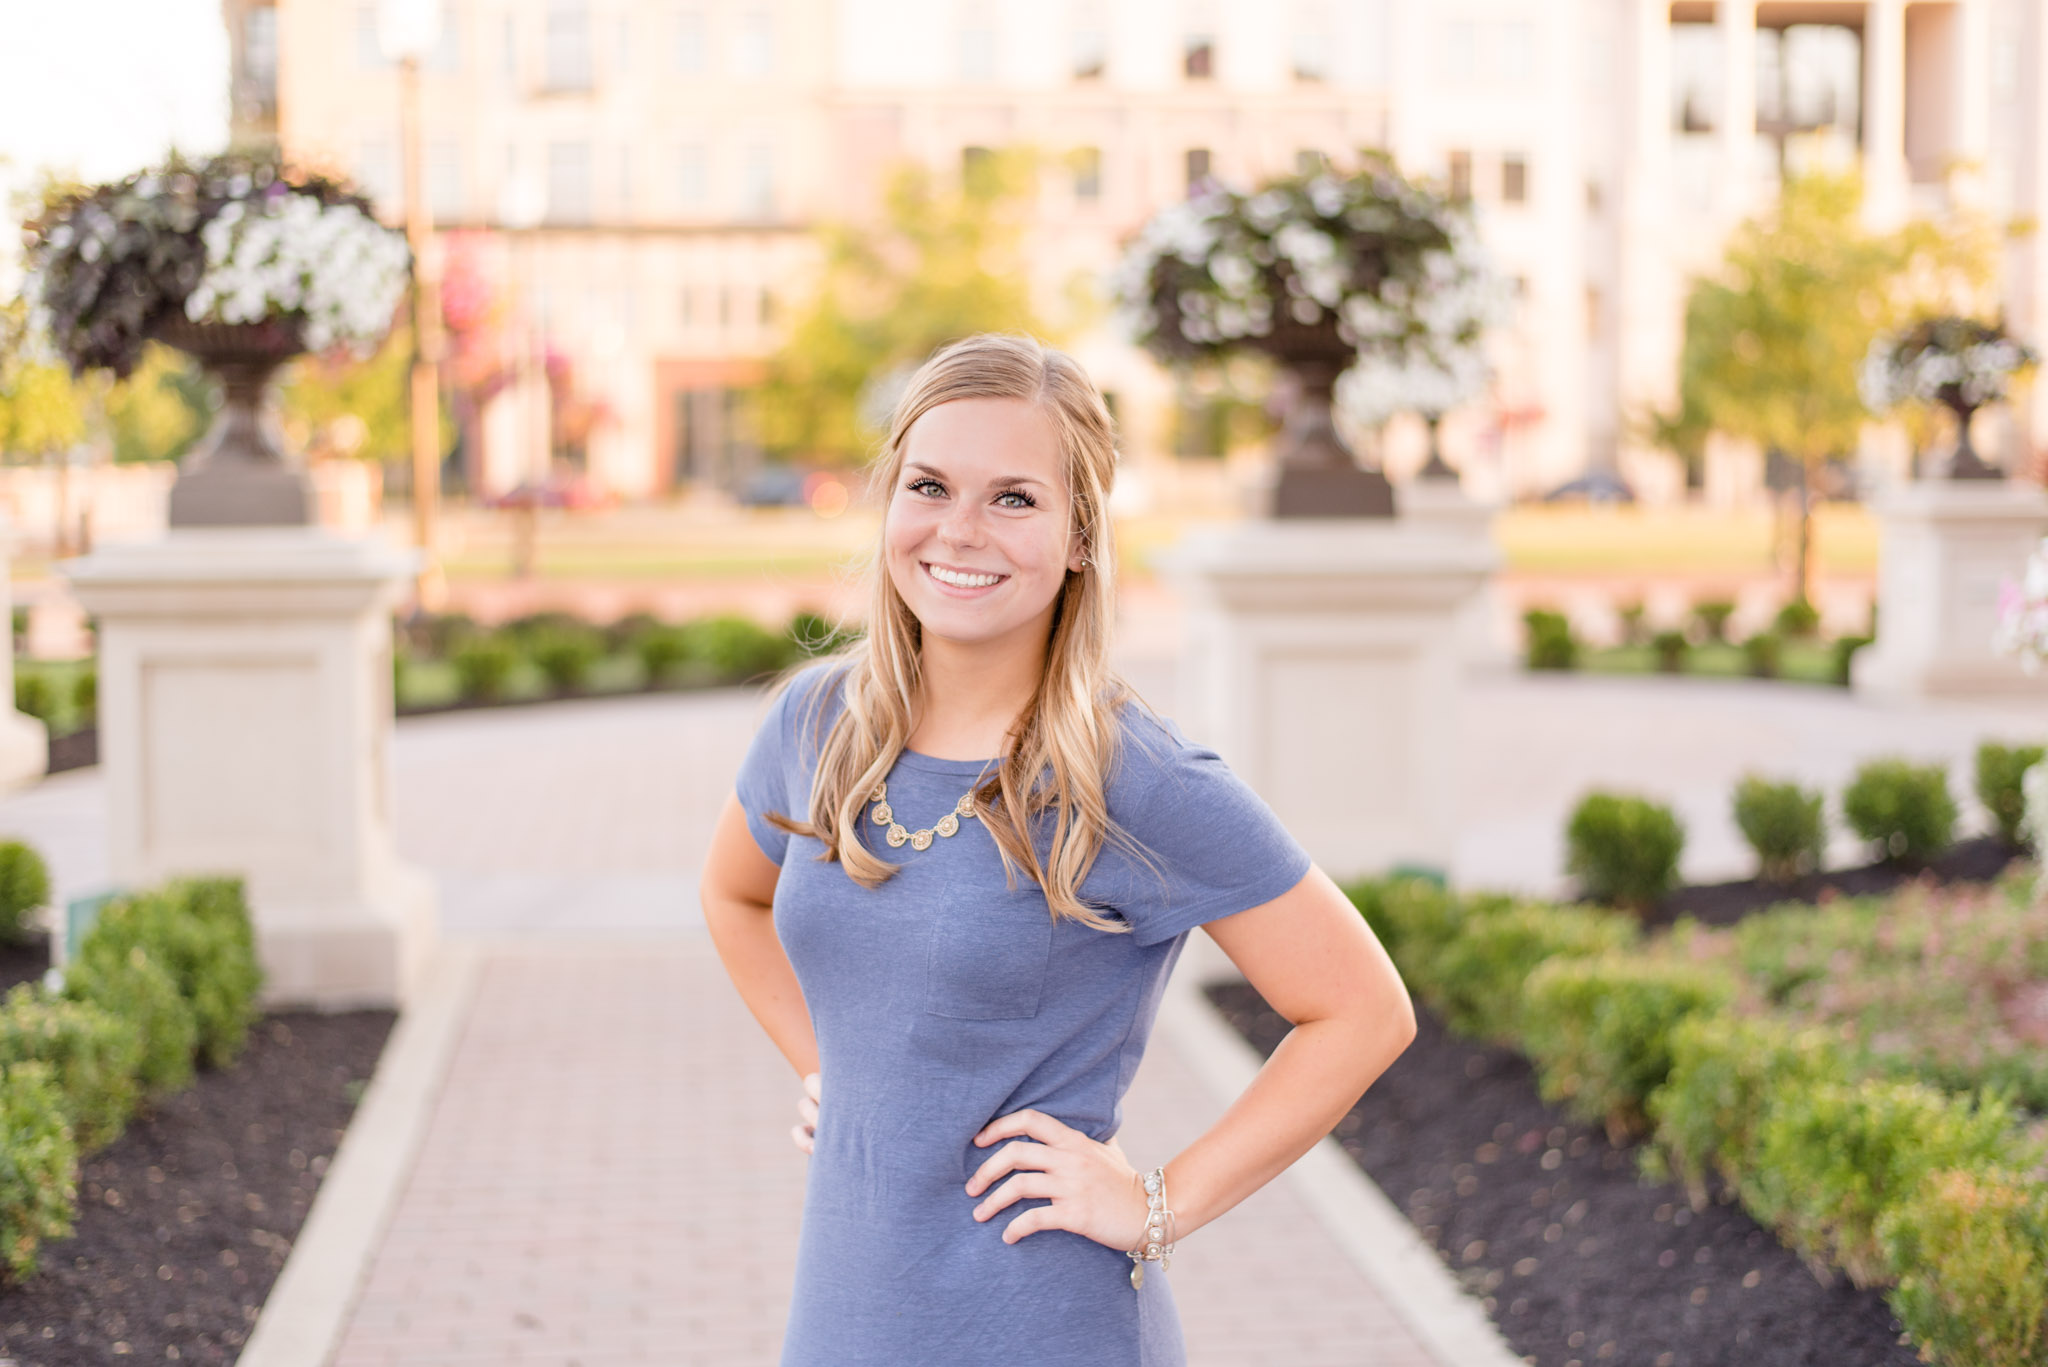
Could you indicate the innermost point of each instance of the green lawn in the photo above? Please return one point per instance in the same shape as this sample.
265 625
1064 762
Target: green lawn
1801 662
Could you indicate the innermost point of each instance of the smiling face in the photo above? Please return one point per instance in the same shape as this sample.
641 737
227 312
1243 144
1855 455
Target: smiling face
978 536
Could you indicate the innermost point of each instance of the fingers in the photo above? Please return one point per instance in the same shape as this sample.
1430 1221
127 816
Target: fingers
1037 1124
1030 1222
802 1135
804 1132
811 1086
1018 1188
1009 1158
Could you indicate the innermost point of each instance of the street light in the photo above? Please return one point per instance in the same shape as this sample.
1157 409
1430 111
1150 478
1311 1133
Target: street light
408 30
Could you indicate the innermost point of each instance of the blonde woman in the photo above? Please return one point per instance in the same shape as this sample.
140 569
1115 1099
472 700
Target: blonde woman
960 862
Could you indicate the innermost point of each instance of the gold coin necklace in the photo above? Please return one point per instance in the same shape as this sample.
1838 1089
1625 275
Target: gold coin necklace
899 835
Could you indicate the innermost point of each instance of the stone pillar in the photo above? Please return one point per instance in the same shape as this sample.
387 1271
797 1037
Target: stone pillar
24 741
1323 662
1735 132
1441 507
1946 550
245 727
1884 113
1970 117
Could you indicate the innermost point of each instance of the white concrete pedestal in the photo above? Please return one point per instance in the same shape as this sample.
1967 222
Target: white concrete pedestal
1324 661
1946 548
1442 506
245 727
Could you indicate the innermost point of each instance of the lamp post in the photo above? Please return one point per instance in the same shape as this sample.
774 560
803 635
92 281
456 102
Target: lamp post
408 30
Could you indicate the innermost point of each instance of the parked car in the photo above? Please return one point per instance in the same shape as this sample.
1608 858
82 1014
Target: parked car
1595 486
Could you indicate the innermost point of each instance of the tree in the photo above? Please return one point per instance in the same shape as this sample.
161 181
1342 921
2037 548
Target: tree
42 409
1775 341
943 263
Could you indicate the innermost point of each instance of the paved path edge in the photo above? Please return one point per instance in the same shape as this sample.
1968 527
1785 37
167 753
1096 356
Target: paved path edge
308 1307
1380 1241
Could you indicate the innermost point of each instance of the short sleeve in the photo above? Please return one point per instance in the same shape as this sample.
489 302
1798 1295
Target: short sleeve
768 781
1210 846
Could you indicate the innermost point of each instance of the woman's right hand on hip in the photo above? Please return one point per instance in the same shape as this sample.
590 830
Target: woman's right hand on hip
805 1131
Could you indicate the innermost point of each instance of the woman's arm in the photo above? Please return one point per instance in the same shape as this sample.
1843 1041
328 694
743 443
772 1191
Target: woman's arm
1316 962
738 893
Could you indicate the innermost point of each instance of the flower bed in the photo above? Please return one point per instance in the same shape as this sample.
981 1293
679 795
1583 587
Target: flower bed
1833 1070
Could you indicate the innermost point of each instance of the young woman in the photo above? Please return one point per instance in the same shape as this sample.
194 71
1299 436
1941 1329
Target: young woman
960 862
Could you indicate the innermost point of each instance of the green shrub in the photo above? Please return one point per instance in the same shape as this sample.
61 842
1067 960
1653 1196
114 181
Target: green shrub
1475 979
524 630
1552 644
1798 618
1971 1249
2001 770
1724 1071
1623 850
1599 1030
38 1165
1413 918
1784 823
1671 648
1630 615
85 695
126 981
94 1055
199 932
34 694
1843 652
661 649
1713 615
737 648
1903 808
1832 1159
438 634
620 636
24 887
1764 654
483 666
565 655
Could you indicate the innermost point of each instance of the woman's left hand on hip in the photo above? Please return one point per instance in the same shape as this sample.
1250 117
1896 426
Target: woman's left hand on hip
1094 1190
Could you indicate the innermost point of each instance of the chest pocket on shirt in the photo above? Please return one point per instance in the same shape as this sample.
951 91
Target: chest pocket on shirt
989 962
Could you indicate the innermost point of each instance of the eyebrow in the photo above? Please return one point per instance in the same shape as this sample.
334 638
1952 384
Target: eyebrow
1004 480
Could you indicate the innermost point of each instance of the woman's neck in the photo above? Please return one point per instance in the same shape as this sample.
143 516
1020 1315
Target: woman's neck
973 694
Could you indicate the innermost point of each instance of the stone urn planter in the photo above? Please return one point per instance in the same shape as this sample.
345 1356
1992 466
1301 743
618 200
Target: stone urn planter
238 475
1318 475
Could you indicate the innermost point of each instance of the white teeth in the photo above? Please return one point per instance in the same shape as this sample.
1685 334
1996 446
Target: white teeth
963 581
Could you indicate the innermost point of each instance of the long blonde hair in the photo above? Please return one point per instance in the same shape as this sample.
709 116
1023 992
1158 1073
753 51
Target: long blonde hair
1065 742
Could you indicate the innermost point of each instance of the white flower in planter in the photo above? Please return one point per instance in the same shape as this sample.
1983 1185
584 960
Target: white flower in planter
340 272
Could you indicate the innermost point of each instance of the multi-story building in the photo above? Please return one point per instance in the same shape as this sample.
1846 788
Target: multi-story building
641 176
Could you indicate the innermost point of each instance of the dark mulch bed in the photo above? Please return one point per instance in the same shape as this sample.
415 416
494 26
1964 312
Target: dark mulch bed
1576 1259
1978 860
75 750
24 961
185 1220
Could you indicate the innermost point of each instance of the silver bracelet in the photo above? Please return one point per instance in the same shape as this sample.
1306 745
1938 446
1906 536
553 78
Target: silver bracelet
1157 1244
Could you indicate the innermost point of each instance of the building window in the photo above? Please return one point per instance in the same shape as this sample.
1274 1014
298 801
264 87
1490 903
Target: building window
977 46
259 53
1458 52
1087 165
764 311
755 55
1461 175
1514 179
1594 198
686 299
691 51
757 184
622 47
445 198
569 182
568 45
1313 44
1089 43
1198 56
1198 170
693 177
369 48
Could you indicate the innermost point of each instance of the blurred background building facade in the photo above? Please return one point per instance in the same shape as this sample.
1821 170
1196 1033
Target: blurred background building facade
638 180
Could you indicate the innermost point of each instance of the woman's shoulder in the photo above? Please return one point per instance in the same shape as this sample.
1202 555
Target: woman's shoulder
806 700
1154 757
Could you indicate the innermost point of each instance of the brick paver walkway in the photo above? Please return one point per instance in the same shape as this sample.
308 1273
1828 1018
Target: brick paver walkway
608 1179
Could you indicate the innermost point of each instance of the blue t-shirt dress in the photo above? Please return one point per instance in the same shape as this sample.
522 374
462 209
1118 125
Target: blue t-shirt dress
944 999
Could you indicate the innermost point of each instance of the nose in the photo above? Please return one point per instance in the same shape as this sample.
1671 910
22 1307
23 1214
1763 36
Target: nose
962 524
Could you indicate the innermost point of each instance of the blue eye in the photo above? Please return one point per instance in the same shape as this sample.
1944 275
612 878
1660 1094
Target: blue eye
917 485
1029 502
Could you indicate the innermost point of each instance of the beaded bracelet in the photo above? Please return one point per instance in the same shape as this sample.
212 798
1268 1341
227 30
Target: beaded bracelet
1157 1245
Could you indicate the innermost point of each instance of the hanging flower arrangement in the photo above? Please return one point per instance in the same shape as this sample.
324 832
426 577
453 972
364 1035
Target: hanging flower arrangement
237 240
1957 362
1370 262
